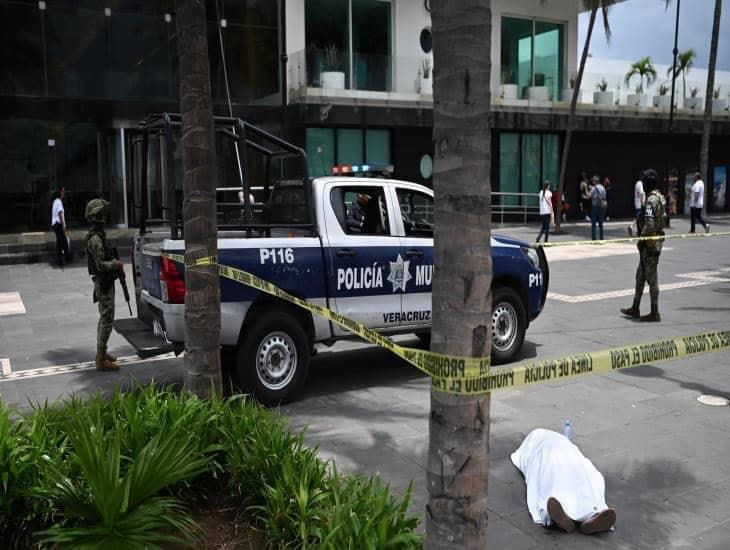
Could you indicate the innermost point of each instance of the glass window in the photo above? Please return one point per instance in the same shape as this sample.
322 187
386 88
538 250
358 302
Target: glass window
371 44
377 146
320 144
532 54
349 146
141 57
248 12
326 24
516 53
531 166
551 159
549 56
509 167
21 50
77 48
416 210
361 210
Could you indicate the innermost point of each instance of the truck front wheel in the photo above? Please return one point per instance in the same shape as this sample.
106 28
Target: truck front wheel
273 358
509 324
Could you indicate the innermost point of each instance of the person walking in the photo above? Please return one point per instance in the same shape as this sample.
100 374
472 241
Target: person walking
58 224
650 223
696 203
546 210
598 207
608 186
104 270
639 200
584 196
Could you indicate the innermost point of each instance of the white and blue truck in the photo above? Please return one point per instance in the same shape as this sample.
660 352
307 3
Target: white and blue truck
357 244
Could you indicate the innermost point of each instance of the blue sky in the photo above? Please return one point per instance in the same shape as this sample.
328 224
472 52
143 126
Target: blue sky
644 27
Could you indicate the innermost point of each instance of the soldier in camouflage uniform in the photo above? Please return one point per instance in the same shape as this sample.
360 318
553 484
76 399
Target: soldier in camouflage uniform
104 270
651 221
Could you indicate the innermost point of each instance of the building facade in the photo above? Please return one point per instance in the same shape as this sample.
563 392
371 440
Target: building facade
349 80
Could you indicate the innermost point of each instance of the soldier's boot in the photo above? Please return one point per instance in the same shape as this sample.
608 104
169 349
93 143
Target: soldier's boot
654 316
110 358
632 311
102 363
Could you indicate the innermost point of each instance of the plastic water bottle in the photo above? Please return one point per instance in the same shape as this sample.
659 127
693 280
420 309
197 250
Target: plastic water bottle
568 429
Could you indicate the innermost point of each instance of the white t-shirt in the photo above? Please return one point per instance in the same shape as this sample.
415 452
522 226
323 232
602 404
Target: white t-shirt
546 202
699 188
56 209
639 195
555 467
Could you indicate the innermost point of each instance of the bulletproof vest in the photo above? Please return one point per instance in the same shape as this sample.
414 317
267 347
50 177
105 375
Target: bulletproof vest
107 252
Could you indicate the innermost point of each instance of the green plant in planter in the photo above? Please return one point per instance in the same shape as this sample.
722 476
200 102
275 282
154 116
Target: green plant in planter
644 69
332 58
508 76
694 91
716 93
602 86
539 79
426 68
663 89
115 501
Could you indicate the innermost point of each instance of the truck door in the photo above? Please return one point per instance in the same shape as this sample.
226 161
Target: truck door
365 274
416 215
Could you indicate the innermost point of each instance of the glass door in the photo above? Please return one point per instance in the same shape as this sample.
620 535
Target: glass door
549 56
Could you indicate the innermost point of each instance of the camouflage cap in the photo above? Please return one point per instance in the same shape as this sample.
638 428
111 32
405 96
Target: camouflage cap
96 209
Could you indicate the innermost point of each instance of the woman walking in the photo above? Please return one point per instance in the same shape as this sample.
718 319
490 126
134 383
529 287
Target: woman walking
546 210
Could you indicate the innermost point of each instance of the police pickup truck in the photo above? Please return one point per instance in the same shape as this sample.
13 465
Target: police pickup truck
361 246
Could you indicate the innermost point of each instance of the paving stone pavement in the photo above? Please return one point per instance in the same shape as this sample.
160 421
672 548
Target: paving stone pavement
663 454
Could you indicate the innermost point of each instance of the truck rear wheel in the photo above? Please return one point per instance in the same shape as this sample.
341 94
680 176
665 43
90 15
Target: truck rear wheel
273 358
509 324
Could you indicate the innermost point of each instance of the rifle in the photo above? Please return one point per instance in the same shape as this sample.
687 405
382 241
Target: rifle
123 280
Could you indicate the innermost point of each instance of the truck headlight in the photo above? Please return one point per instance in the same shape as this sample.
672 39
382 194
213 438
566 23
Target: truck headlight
532 256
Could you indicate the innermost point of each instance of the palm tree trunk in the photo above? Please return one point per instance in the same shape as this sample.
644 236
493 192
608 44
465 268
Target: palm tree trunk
707 121
202 297
571 116
458 461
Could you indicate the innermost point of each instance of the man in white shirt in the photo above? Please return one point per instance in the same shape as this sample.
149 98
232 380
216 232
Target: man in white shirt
696 203
639 196
58 224
563 486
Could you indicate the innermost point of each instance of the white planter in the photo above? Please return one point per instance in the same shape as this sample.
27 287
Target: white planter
538 93
719 105
426 86
568 94
603 98
332 80
509 91
694 103
662 101
636 100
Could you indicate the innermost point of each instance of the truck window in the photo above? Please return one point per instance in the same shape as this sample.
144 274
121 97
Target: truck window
416 210
361 210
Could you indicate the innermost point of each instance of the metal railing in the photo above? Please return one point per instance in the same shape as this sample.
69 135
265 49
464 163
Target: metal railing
499 208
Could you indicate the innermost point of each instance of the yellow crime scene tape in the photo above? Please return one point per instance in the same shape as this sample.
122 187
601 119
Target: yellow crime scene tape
473 375
634 239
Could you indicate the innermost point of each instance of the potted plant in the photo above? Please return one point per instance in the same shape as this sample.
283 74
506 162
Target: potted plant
426 81
568 92
662 101
718 104
602 96
332 77
509 88
693 102
538 91
644 69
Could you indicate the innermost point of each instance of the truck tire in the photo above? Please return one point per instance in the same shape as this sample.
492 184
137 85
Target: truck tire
509 324
273 358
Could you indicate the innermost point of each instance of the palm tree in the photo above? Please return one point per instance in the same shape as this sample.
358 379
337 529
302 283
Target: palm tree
685 60
202 297
707 120
458 461
593 6
645 69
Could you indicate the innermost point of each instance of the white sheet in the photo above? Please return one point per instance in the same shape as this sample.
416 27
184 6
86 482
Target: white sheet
554 467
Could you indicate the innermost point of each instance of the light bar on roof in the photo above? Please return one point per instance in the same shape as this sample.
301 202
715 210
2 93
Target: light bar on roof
363 169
